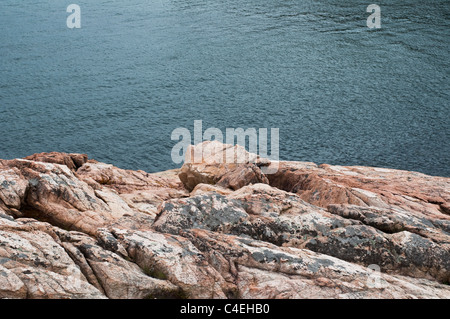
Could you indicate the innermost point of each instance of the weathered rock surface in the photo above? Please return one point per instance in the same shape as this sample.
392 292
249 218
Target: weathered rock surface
409 246
224 165
323 185
72 161
34 264
77 228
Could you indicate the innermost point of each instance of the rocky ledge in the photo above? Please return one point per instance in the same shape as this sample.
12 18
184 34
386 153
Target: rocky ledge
77 228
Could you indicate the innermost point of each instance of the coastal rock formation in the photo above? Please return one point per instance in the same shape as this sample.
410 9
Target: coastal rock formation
224 165
219 228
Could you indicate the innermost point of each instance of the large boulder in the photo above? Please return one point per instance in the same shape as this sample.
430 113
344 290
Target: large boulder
225 165
73 160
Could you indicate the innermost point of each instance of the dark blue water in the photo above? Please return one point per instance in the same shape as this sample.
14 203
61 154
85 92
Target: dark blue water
339 92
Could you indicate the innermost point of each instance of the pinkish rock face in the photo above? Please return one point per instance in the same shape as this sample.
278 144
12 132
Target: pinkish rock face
73 228
223 165
72 161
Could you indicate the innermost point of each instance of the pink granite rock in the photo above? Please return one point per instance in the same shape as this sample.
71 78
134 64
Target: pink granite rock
77 228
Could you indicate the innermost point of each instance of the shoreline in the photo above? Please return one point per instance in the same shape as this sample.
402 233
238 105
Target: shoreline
71 227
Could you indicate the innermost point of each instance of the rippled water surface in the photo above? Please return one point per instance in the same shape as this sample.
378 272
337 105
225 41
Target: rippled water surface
339 92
